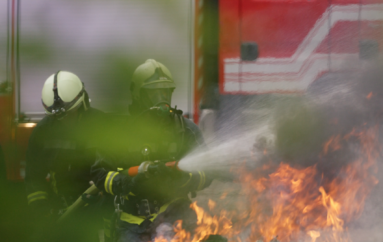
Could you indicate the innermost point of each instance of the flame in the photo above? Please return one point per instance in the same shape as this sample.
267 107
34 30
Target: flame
295 204
223 196
333 143
207 225
313 234
369 96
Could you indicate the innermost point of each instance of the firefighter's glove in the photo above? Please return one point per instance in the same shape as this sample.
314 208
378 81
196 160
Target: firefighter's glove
129 183
145 168
160 169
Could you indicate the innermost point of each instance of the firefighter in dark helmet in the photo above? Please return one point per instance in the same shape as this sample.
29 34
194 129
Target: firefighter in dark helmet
61 149
153 134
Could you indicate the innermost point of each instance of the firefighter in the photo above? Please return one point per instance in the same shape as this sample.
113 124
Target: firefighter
61 150
154 132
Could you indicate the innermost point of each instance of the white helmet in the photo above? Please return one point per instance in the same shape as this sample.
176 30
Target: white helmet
63 92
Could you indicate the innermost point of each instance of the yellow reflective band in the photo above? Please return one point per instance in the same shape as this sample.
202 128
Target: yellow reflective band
106 181
190 177
37 193
120 169
139 219
109 181
131 218
35 199
37 196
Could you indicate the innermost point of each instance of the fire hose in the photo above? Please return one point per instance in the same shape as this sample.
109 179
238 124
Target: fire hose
79 203
147 167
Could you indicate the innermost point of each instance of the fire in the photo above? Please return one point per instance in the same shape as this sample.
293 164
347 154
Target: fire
313 234
207 225
332 144
295 204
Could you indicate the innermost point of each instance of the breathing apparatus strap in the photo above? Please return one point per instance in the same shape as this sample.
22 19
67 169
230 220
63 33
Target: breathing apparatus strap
180 129
86 101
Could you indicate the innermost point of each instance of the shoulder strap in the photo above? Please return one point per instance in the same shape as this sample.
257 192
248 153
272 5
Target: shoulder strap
180 132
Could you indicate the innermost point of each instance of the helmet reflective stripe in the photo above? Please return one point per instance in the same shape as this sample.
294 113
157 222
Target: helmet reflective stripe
69 85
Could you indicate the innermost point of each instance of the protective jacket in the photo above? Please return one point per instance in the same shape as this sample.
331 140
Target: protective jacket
59 158
149 139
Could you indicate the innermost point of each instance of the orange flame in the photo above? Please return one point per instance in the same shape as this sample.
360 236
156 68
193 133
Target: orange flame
333 143
294 204
313 234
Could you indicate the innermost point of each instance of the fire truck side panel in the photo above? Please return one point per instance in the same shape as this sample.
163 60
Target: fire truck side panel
298 41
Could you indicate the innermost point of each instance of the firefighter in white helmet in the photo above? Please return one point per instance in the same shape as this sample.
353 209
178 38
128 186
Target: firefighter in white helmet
154 133
60 97
61 149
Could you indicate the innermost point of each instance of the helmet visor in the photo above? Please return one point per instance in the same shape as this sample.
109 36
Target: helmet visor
154 97
159 84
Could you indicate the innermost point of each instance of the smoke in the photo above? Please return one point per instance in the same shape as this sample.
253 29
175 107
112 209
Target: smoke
165 231
294 130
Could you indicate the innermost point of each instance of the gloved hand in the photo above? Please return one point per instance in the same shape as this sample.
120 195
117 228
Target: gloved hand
129 183
160 169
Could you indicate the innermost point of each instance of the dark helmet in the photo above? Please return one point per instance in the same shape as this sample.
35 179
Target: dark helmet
153 80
